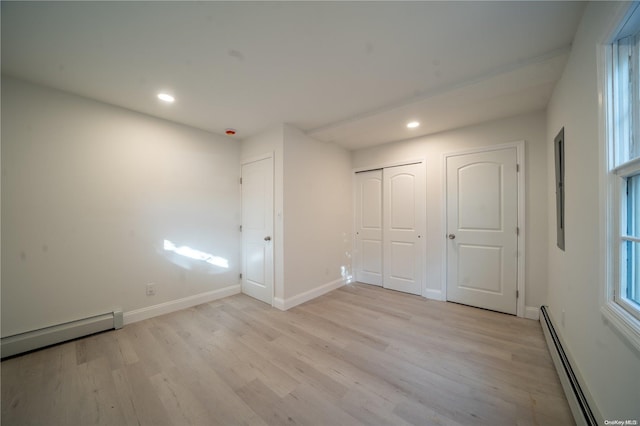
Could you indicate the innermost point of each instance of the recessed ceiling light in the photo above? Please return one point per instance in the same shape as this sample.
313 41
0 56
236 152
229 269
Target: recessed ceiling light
413 124
166 97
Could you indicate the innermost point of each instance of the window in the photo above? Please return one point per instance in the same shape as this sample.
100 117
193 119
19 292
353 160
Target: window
622 177
630 277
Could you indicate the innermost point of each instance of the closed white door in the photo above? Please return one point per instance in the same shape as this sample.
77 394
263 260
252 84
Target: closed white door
368 259
257 229
404 214
482 221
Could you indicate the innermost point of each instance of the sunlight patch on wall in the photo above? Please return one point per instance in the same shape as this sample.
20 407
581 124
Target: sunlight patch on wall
192 253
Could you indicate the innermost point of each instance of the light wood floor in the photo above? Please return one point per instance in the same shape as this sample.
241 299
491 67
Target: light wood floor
358 355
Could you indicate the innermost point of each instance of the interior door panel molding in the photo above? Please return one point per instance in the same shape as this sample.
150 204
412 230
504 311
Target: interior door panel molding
521 217
397 261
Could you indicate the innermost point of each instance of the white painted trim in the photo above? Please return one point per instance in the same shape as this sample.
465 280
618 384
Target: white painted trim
252 159
627 168
481 149
434 294
623 321
355 255
532 313
390 164
521 160
279 303
522 226
286 304
615 315
258 157
178 304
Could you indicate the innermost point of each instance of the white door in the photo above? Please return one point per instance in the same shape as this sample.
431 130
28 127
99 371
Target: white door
482 220
368 260
404 215
257 229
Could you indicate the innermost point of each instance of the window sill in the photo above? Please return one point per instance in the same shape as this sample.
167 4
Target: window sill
623 321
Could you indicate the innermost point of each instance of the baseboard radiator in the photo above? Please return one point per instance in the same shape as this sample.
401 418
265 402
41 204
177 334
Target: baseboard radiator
24 342
582 413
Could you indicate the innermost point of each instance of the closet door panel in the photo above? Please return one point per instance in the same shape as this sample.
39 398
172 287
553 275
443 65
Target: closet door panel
404 198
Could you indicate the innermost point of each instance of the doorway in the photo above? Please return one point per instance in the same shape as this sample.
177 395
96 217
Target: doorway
484 211
257 229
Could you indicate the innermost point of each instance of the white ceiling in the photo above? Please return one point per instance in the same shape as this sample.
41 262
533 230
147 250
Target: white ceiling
349 72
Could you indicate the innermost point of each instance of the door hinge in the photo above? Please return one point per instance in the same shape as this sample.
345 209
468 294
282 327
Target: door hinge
517 293
240 228
517 230
517 168
240 276
240 181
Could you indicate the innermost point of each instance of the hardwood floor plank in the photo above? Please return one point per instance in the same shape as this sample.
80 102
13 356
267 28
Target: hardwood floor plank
370 409
315 407
94 394
357 355
267 404
296 368
420 415
277 379
138 400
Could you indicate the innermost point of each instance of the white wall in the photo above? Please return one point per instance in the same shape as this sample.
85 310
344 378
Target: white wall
608 364
529 127
89 194
271 141
312 217
318 212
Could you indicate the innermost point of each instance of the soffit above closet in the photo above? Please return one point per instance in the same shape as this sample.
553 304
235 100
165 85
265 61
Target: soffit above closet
349 72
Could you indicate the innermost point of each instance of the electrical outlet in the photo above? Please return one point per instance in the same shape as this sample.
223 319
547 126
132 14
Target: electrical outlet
151 289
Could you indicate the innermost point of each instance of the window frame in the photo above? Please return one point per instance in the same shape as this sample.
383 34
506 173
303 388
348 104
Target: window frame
620 175
621 312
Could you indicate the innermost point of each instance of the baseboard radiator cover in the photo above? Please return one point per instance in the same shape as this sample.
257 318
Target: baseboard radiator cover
36 339
582 412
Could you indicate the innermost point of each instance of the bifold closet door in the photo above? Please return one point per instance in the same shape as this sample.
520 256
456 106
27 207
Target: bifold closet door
403 218
390 215
368 266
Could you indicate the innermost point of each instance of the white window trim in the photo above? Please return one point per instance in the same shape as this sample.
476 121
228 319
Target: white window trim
622 320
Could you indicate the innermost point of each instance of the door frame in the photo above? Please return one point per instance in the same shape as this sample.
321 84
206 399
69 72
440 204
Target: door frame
378 166
275 238
520 160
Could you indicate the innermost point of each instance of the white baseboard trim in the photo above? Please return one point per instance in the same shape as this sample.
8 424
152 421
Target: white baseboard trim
285 304
178 304
532 313
432 294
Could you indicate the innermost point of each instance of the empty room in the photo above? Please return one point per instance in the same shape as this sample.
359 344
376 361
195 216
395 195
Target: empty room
320 213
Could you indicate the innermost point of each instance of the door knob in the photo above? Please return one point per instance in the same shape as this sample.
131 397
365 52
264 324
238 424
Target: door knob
267 238
452 236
